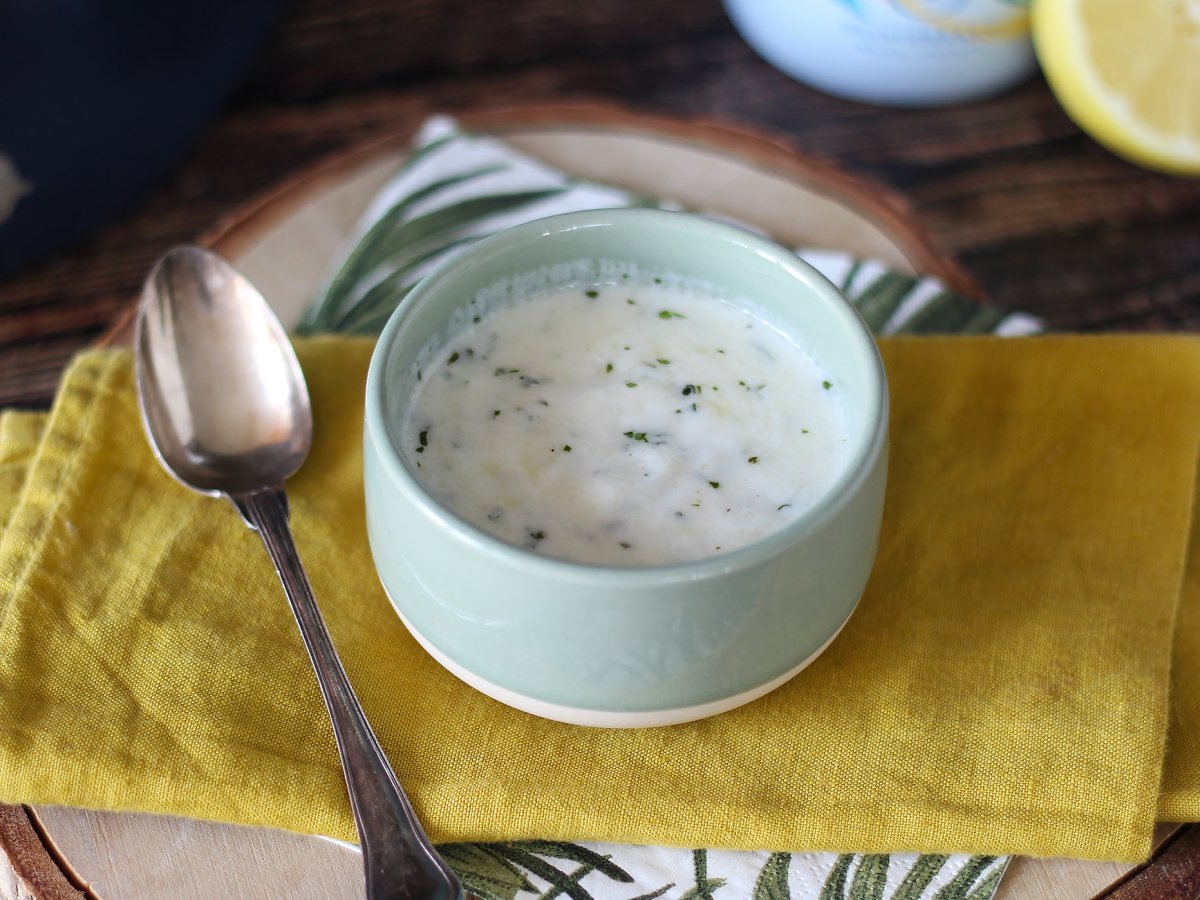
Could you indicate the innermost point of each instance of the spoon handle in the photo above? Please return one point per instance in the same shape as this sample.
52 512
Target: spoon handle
400 862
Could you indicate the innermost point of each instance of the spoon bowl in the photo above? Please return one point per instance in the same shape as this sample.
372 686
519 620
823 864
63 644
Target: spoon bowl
226 410
245 423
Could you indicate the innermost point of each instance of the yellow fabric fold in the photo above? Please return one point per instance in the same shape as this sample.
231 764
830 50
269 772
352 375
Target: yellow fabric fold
1180 797
1002 688
20 433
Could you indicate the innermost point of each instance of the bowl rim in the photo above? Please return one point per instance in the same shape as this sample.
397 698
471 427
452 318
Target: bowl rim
769 546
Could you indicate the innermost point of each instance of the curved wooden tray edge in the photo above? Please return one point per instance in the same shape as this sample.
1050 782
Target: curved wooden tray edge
766 151
237 230
34 871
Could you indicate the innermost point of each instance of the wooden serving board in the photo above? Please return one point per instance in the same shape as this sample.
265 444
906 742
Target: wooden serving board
285 241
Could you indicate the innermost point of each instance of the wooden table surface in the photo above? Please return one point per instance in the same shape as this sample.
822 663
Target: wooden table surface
1044 219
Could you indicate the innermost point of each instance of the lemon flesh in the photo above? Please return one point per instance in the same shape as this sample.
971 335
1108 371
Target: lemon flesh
1128 73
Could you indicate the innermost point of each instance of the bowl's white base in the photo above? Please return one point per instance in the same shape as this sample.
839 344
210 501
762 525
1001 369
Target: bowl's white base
604 718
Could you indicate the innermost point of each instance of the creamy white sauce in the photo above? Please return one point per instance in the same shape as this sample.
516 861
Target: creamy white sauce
635 423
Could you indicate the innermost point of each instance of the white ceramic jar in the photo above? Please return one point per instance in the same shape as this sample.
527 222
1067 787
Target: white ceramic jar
893 52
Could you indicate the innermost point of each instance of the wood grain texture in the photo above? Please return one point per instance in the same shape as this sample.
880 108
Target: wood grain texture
1041 217
1173 873
172 859
27 870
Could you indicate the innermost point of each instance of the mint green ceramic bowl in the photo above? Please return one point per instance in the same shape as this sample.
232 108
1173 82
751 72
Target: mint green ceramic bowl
615 646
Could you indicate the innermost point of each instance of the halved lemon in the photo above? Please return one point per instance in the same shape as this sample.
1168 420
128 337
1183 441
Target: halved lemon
1128 73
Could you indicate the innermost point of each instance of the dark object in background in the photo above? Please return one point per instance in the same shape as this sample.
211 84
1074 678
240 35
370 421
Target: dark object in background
100 98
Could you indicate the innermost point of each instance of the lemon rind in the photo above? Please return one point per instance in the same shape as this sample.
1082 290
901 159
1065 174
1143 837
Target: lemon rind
1103 114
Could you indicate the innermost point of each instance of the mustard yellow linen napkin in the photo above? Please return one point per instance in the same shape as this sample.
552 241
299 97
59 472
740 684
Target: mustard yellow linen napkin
1002 688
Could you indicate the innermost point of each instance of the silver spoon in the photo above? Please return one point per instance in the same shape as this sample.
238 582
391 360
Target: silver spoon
226 410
